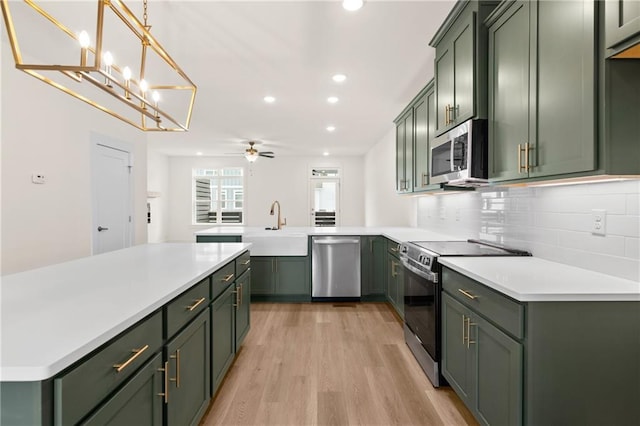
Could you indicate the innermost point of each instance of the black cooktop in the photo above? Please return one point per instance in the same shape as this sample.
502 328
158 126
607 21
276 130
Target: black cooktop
467 248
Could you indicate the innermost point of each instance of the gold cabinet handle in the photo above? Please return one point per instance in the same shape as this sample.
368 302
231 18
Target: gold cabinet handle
196 304
464 329
527 147
394 249
446 115
519 158
177 358
236 304
165 394
466 293
136 354
246 262
227 278
241 294
424 179
469 324
393 269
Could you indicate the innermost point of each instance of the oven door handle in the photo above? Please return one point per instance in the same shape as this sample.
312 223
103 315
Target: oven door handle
433 277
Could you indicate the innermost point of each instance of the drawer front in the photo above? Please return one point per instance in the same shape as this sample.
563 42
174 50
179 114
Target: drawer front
187 306
221 279
243 262
499 309
393 248
83 388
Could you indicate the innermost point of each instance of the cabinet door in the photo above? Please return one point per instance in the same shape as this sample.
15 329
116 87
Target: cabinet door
188 360
508 91
393 265
421 144
431 125
378 276
292 276
456 362
243 308
564 125
444 88
499 374
408 153
622 20
263 278
400 170
222 335
463 71
137 403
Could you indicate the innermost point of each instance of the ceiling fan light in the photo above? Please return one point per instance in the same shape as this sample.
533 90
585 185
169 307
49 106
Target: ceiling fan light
352 5
251 156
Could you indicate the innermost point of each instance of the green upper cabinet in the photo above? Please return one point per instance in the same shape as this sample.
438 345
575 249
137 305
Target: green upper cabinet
622 28
404 152
541 99
461 65
424 132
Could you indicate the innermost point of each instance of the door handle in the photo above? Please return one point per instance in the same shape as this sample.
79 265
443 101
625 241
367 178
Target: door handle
100 229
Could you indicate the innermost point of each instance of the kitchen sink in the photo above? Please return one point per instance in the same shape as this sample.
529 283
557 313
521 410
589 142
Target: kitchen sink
270 243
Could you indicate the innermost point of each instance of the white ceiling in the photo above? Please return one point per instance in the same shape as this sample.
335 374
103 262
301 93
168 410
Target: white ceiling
239 51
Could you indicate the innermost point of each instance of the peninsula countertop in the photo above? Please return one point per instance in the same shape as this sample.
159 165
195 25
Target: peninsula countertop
53 316
531 279
397 234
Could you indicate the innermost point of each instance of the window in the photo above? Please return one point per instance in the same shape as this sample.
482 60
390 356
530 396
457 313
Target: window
218 195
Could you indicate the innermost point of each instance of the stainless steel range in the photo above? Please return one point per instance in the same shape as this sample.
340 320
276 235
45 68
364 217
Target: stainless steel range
422 298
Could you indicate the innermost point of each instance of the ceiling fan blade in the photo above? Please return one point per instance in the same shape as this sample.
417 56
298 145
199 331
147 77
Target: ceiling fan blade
267 154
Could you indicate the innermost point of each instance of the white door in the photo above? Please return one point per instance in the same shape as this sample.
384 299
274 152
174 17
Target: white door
325 201
111 199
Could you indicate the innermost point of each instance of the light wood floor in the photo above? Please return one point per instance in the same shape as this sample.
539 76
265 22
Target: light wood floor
326 364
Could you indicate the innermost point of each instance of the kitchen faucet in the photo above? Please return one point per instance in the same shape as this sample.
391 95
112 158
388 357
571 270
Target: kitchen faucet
280 222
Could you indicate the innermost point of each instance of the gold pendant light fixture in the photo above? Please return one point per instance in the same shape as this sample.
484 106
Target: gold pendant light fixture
103 55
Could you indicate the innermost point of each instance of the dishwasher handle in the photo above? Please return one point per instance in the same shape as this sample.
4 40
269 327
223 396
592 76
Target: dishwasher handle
332 242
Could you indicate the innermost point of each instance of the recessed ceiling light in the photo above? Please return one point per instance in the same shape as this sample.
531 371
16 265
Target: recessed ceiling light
332 99
198 153
352 5
269 99
326 154
339 78
331 128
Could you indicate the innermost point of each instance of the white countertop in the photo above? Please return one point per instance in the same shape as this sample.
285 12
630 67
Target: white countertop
531 279
398 234
51 317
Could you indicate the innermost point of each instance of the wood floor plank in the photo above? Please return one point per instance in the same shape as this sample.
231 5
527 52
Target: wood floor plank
328 364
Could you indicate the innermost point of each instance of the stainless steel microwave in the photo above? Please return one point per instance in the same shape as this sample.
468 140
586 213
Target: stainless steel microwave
459 157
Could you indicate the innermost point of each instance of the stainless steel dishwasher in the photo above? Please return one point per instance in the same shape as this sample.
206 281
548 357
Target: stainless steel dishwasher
335 267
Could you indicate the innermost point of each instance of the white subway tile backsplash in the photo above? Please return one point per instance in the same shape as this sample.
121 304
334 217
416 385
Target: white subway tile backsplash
552 222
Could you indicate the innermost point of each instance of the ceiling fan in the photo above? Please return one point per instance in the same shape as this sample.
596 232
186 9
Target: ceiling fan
252 154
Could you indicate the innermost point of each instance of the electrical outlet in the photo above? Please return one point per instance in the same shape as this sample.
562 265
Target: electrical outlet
598 221
38 178
443 214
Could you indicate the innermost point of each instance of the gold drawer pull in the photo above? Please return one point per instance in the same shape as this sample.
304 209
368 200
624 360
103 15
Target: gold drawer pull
227 278
136 354
469 295
196 304
165 394
177 358
246 262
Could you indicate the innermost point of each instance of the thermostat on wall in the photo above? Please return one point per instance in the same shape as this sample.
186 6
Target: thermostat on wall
37 178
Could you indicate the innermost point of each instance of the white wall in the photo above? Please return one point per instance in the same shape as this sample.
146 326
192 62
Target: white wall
285 179
553 223
158 182
382 205
49 132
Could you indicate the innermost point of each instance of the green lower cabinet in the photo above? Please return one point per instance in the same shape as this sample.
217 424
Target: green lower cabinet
138 403
188 361
243 308
373 250
280 278
482 364
395 283
223 317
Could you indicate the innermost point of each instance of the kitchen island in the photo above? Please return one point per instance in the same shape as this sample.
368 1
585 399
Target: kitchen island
61 321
